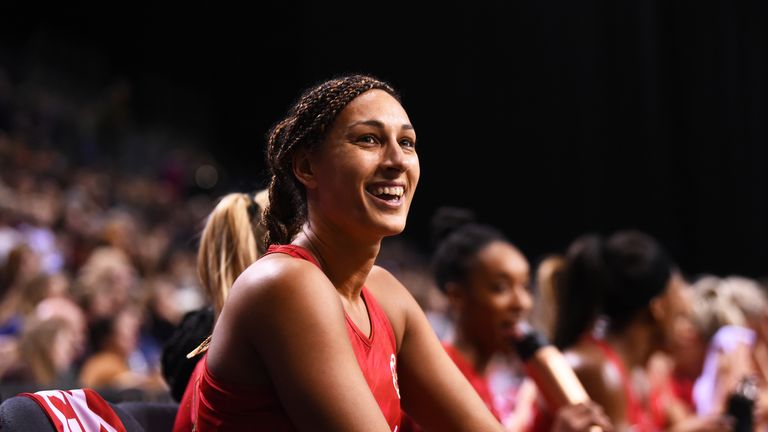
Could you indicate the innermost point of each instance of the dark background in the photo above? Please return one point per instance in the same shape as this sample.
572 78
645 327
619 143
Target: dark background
549 118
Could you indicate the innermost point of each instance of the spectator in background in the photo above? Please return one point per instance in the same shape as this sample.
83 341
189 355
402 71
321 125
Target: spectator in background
111 363
732 316
105 283
59 216
37 351
65 308
47 351
232 239
487 282
21 266
629 284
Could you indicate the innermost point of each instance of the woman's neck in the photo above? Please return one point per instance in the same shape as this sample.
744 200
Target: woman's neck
634 344
344 261
479 358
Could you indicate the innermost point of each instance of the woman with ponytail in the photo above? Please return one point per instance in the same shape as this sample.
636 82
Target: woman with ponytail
619 299
231 240
487 281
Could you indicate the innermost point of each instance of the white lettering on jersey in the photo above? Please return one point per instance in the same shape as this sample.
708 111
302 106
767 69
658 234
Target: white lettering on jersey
393 369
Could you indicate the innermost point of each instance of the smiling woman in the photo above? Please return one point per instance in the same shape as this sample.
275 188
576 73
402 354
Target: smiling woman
313 335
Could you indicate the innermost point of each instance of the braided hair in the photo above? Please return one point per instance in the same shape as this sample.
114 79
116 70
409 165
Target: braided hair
305 127
457 238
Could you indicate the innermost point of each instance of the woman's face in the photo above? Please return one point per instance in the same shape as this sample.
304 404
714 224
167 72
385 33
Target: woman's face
364 175
675 304
126 331
497 294
687 344
64 349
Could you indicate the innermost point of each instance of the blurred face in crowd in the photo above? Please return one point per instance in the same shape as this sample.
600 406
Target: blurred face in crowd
125 335
65 349
672 311
68 310
687 345
496 295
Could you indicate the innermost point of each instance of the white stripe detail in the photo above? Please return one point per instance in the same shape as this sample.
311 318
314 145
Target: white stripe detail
91 421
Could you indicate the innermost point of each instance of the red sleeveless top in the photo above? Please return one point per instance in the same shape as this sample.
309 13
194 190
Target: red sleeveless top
214 405
637 416
478 382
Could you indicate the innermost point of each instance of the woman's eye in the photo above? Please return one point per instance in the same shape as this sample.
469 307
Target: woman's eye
499 288
368 139
407 142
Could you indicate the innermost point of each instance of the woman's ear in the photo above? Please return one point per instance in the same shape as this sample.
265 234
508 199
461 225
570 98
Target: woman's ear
455 294
658 308
302 169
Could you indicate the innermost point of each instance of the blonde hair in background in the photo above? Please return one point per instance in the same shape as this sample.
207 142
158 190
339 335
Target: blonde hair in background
231 240
747 295
734 300
261 198
36 347
107 273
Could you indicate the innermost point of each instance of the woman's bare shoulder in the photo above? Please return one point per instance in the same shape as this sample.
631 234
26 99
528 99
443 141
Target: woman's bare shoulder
600 377
587 361
387 288
396 300
278 281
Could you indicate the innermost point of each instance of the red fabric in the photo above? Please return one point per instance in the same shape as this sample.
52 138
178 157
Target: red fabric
79 408
376 357
658 399
682 387
674 389
638 418
479 383
184 416
543 421
226 407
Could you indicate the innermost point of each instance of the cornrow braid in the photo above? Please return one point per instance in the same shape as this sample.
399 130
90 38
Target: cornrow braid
304 127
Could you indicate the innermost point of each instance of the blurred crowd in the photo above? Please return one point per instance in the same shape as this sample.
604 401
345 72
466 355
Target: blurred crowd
98 224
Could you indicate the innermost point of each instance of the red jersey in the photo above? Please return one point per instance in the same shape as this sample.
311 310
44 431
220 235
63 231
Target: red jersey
638 416
479 383
214 405
184 416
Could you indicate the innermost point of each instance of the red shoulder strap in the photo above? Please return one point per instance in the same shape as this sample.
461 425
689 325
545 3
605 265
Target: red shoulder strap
294 251
635 411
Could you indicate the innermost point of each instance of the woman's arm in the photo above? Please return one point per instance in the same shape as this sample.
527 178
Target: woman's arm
603 384
294 322
434 392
